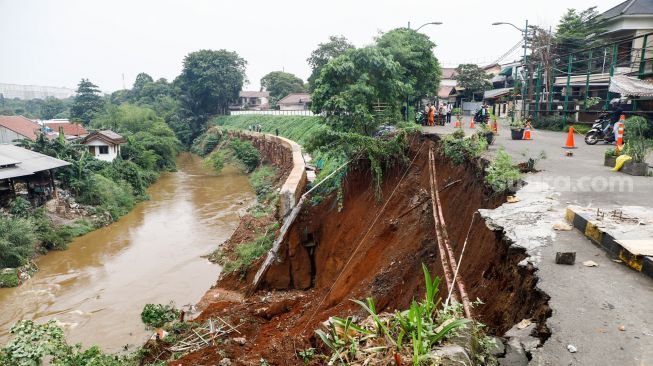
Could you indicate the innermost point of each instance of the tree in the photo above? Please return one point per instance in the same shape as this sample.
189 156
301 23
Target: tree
51 107
473 79
351 85
325 52
209 82
88 102
414 52
575 29
279 84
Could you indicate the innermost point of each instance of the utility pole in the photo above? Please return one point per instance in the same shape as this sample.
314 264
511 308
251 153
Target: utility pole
524 72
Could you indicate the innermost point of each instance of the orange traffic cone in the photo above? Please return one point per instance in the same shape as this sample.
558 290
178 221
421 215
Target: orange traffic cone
458 125
496 128
620 132
471 123
570 139
527 132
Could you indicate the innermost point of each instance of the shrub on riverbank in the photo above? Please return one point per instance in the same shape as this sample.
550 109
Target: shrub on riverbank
17 239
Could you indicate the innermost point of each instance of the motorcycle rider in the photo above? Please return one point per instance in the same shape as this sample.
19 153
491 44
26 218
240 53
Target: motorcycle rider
617 111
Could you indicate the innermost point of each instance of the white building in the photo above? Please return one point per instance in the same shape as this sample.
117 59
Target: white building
26 92
103 145
252 100
295 102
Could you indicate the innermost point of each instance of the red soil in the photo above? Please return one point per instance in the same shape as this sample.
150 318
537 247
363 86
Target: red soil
279 320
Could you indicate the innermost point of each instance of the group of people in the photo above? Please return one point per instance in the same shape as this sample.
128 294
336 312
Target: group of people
443 111
255 128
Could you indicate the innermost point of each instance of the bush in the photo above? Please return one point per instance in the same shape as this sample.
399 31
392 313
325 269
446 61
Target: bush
501 174
9 277
215 161
458 148
247 253
157 315
635 131
20 207
246 153
17 239
262 180
114 197
554 123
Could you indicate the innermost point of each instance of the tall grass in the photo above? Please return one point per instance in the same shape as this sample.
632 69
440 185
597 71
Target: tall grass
297 128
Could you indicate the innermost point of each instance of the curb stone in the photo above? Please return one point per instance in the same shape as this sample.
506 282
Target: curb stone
605 240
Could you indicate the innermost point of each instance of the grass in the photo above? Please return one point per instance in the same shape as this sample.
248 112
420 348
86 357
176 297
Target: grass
247 253
9 277
297 128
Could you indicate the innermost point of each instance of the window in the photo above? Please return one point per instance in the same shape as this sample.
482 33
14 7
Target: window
104 149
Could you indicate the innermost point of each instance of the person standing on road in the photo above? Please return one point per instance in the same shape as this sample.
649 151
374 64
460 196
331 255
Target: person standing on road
431 114
449 108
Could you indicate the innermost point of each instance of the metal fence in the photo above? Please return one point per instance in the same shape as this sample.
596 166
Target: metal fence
272 113
577 84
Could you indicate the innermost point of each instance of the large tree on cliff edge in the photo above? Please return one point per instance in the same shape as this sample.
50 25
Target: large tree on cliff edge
420 69
209 82
325 52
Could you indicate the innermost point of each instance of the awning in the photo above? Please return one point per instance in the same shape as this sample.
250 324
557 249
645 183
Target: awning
495 93
506 71
629 86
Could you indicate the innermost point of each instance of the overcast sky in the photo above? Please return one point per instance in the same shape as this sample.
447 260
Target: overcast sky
55 43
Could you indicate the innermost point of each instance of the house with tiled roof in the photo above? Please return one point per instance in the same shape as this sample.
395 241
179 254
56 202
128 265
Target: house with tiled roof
295 102
70 130
252 100
14 128
103 145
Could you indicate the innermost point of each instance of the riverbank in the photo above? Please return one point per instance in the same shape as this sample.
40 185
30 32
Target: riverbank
98 287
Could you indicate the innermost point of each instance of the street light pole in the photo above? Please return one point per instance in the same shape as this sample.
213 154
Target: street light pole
416 30
524 73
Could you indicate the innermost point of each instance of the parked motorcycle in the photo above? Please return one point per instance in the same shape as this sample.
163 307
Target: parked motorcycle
596 133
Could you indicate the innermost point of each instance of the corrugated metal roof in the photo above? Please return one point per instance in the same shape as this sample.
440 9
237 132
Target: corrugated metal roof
21 126
29 162
494 93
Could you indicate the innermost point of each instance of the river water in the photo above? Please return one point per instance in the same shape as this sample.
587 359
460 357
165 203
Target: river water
98 287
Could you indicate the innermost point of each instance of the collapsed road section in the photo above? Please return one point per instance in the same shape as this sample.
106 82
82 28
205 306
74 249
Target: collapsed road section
374 246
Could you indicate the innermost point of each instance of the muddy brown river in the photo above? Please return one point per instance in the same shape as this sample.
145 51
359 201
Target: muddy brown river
98 287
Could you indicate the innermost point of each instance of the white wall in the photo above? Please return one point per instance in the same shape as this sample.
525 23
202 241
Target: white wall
8 136
114 150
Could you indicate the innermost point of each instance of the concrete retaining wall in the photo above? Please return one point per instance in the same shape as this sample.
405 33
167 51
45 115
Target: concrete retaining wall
284 154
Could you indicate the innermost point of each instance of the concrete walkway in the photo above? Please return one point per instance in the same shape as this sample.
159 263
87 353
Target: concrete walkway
606 312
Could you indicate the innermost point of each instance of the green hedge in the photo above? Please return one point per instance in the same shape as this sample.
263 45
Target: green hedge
296 128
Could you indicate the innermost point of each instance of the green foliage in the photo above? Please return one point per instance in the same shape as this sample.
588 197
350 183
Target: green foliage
247 253
209 82
297 128
501 174
414 53
554 123
352 84
88 102
20 207
340 146
325 52
215 161
52 108
458 148
280 83
246 153
575 30
157 315
262 181
635 131
9 277
473 79
307 354
17 239
32 344
415 331
117 198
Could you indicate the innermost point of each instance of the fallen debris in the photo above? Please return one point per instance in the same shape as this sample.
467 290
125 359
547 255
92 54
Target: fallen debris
590 264
523 324
571 348
568 258
561 226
